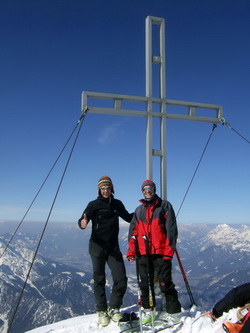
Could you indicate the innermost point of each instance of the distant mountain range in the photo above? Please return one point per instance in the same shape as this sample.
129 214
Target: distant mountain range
216 258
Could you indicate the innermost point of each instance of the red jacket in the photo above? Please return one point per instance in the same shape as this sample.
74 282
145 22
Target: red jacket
156 221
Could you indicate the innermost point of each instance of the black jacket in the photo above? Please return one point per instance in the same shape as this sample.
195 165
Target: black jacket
104 214
237 297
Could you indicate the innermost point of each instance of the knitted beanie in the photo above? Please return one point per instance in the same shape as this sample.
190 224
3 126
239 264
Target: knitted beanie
105 181
148 182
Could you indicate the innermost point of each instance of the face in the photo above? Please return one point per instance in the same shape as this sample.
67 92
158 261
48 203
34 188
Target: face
148 192
105 191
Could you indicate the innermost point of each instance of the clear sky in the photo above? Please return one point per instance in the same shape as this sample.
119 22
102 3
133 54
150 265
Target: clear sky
53 50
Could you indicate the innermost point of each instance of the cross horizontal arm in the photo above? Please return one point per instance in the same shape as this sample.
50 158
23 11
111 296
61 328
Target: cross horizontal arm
130 105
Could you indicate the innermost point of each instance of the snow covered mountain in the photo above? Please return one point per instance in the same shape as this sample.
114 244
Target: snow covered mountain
228 238
53 292
215 257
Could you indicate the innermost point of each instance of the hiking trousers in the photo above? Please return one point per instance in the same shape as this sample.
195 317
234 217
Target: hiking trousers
115 262
163 270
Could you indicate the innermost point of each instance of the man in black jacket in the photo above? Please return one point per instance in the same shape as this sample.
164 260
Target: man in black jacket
104 212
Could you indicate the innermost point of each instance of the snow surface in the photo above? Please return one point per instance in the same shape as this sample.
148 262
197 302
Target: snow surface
194 322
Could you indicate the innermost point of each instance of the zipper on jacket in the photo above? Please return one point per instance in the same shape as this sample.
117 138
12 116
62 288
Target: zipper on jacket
149 224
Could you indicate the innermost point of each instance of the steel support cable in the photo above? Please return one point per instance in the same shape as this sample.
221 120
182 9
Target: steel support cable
229 126
176 251
202 155
46 178
45 226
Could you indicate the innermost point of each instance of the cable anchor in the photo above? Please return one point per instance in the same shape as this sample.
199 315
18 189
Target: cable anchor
83 114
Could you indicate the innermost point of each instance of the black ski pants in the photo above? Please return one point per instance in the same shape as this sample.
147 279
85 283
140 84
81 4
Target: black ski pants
115 262
163 270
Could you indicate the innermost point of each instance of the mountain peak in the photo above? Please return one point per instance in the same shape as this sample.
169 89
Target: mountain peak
226 236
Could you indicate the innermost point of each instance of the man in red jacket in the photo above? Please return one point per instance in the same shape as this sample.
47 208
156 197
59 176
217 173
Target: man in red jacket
152 239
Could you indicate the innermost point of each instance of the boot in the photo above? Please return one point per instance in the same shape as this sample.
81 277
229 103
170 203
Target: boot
103 318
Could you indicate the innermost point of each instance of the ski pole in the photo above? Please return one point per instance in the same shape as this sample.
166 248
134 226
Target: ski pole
139 303
185 279
151 302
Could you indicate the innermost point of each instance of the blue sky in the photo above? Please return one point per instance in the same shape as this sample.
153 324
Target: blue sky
51 51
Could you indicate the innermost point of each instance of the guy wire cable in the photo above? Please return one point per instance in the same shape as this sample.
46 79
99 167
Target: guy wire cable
46 223
223 122
229 126
46 178
214 126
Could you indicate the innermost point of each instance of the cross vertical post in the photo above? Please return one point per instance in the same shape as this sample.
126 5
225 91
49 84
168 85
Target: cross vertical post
160 61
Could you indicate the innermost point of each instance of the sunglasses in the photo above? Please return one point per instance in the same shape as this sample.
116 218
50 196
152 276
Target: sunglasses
148 189
107 188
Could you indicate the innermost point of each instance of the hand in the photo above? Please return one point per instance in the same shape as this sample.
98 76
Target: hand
131 259
84 221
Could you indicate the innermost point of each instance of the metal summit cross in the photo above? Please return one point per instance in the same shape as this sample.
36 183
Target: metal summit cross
153 107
